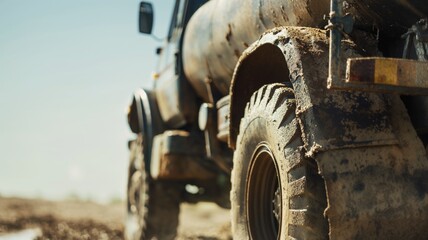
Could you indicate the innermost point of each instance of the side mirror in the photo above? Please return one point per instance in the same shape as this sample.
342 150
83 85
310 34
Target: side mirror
146 18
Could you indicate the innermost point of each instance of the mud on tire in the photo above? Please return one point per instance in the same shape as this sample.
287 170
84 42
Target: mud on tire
152 206
276 192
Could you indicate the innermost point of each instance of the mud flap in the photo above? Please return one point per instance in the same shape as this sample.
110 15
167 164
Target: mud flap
378 192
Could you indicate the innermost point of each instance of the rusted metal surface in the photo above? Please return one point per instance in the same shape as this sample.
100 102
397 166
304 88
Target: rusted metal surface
178 156
221 30
381 190
374 166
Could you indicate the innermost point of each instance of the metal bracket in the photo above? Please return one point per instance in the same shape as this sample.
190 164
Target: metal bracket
338 24
345 24
418 34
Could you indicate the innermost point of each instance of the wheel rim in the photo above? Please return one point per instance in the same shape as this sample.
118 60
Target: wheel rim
263 192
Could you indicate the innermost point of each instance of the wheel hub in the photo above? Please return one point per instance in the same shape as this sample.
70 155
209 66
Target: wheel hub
263 194
277 204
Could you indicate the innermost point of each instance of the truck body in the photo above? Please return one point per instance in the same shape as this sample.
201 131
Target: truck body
309 119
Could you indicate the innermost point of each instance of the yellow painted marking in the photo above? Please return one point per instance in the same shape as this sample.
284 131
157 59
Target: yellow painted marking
386 71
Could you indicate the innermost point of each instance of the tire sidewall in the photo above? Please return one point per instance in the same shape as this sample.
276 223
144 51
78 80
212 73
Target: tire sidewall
257 130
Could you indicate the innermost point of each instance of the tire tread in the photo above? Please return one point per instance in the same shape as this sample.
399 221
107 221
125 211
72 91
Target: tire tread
306 192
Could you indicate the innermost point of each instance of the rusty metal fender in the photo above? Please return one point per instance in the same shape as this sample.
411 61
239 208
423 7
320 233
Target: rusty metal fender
330 119
144 118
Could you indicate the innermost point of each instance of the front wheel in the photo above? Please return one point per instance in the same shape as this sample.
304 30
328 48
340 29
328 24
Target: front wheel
276 192
153 206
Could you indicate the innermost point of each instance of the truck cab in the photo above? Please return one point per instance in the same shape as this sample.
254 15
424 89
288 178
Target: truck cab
176 99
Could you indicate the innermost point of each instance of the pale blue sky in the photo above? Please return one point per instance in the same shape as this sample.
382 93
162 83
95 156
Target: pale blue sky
67 71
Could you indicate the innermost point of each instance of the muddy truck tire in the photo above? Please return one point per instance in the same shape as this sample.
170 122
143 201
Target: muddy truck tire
276 191
152 206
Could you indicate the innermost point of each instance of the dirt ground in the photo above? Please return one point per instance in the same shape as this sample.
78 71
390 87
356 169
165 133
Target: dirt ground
88 220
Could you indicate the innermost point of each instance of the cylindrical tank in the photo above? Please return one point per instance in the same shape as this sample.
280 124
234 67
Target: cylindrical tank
221 30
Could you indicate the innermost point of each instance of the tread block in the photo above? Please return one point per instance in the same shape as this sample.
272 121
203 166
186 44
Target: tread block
297 217
270 91
297 173
297 187
261 94
294 159
253 99
286 114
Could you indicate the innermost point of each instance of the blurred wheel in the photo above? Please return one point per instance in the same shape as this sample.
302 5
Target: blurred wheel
152 206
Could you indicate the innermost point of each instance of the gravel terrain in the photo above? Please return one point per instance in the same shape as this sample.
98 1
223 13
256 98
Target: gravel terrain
88 220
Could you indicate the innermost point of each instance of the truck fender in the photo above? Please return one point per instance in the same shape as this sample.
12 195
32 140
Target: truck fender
298 57
144 118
